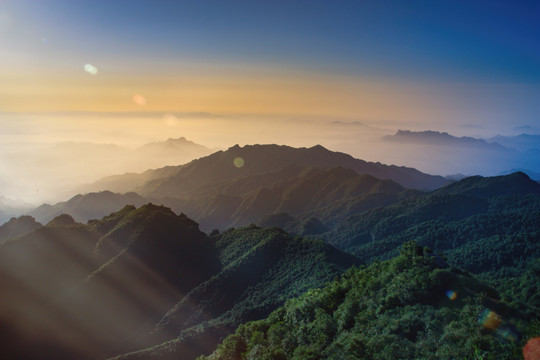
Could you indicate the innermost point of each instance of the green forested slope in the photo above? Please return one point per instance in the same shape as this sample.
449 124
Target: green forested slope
410 307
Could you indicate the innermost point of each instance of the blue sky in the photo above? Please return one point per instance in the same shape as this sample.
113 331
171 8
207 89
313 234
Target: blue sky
426 40
264 71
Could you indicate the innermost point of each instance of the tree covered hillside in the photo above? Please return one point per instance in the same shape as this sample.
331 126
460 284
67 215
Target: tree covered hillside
489 226
413 306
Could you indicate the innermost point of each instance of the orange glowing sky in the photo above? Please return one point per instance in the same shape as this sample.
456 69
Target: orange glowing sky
221 73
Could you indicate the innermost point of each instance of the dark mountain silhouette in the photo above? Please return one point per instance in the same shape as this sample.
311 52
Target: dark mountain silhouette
443 138
62 220
219 167
18 226
261 269
532 174
257 159
515 184
327 194
270 179
99 288
88 206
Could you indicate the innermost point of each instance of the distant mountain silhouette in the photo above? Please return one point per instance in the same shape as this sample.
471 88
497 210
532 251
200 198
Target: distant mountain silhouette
443 138
59 171
270 179
62 220
173 147
219 167
523 142
12 208
532 174
88 206
17 227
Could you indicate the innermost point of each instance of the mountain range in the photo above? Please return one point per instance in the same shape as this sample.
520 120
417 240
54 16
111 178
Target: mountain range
57 171
441 152
146 275
444 139
303 182
311 255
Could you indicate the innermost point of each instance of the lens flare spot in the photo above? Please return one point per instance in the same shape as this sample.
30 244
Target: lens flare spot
139 100
91 69
452 295
238 162
170 120
531 350
489 319
509 333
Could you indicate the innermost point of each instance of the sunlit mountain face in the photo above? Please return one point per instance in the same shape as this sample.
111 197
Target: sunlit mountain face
269 180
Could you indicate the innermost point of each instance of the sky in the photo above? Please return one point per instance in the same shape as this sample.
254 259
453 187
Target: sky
260 71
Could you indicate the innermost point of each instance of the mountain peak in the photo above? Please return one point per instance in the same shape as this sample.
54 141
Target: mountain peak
517 183
18 226
62 220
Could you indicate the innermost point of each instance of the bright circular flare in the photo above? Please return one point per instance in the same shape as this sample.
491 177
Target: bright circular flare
170 120
531 351
91 69
490 319
139 100
238 162
452 295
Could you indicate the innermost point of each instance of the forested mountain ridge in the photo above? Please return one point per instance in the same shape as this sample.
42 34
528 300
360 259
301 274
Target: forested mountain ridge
328 194
18 226
413 306
122 272
257 159
137 277
488 226
261 269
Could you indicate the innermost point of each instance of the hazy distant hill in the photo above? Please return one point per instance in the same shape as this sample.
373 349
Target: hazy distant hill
88 206
58 171
10 208
523 142
179 150
444 139
18 226
447 154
